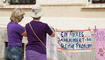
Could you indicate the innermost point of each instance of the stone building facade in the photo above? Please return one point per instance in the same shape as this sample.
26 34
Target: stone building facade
52 9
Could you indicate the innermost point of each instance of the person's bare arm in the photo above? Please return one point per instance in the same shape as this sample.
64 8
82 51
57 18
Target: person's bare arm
53 33
24 34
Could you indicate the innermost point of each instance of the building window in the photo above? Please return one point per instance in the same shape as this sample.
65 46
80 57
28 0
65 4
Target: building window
98 1
22 1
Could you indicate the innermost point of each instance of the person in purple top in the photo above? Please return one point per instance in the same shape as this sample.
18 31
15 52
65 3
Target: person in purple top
15 34
35 49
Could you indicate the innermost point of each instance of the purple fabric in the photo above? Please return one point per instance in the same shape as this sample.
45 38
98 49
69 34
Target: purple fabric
14 32
41 29
33 55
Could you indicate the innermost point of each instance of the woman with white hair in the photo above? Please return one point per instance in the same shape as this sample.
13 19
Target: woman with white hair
36 33
15 34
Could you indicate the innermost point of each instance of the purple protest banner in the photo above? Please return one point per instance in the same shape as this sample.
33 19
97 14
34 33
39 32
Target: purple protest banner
100 43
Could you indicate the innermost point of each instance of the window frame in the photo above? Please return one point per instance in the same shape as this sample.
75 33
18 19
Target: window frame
23 2
97 2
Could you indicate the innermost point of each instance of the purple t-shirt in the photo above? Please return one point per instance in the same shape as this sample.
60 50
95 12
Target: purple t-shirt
41 29
14 32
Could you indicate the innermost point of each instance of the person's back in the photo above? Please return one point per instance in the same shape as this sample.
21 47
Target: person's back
14 34
41 29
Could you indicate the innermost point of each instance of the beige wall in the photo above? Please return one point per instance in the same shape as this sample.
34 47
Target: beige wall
63 11
73 11
53 15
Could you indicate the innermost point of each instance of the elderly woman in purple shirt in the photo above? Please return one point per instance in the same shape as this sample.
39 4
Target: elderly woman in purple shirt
36 49
15 34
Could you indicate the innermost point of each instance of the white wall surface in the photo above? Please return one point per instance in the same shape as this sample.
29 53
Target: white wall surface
63 23
50 2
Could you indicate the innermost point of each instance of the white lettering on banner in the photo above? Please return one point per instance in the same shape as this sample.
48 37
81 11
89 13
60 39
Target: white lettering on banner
74 41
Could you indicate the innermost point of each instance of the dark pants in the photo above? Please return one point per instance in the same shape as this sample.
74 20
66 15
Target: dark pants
13 53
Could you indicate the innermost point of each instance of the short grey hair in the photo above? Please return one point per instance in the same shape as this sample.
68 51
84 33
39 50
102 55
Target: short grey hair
16 14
